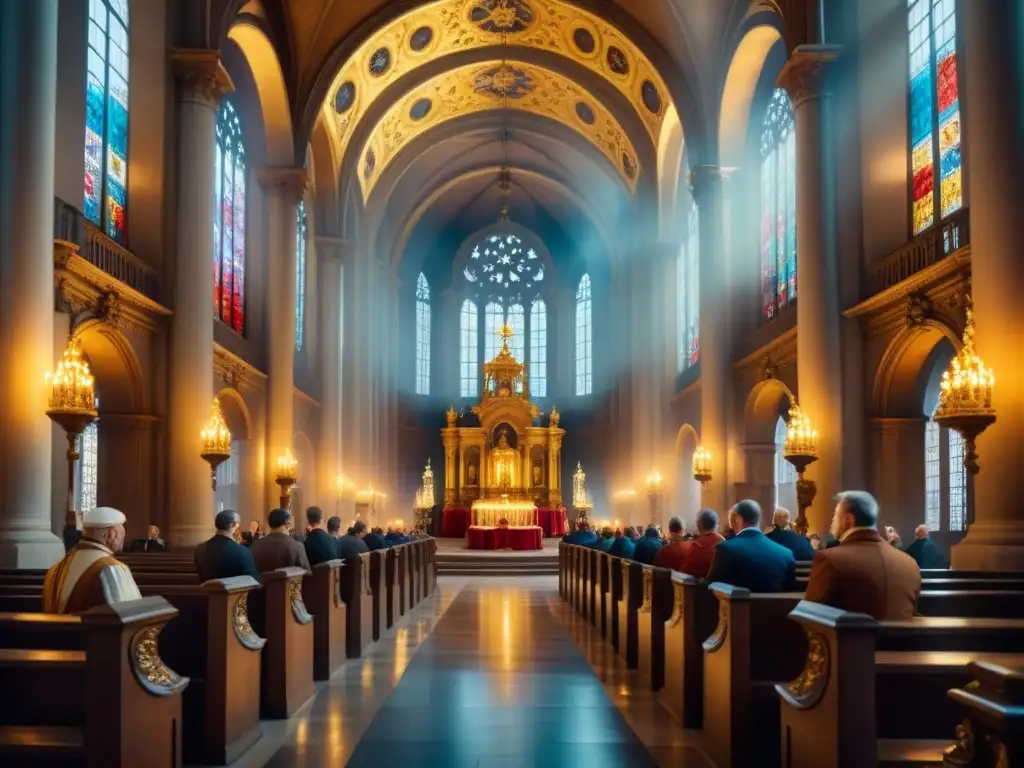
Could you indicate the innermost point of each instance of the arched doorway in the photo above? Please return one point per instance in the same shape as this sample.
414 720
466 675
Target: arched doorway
235 476
687 490
770 479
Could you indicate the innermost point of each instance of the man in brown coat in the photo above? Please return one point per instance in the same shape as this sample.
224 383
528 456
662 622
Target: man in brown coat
277 549
864 574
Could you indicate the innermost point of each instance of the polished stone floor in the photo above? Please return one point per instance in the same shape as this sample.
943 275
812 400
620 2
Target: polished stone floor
487 672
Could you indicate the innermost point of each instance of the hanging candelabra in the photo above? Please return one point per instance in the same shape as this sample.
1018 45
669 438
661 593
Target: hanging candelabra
425 499
216 440
801 450
71 405
702 465
285 476
965 402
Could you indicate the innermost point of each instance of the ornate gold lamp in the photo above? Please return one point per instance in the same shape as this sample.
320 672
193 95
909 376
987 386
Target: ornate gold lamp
702 465
425 499
216 439
71 405
965 401
801 450
285 476
580 502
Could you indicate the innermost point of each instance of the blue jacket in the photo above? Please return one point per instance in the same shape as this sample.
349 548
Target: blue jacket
376 541
647 549
794 542
622 547
583 538
601 544
752 560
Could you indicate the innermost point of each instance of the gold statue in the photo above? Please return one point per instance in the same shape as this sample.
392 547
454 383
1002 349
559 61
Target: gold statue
555 416
452 416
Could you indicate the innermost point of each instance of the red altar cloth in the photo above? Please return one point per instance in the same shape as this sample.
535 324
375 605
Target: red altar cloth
518 539
455 521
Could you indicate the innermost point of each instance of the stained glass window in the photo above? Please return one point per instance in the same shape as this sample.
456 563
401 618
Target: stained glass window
469 375
106 116
693 288
229 220
539 349
300 276
682 261
422 336
932 476
957 483
494 318
584 361
88 463
503 262
934 111
778 206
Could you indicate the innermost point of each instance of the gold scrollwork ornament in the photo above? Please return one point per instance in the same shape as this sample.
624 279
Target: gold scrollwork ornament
147 661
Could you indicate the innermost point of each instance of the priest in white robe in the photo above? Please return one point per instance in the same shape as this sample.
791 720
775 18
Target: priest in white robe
90 575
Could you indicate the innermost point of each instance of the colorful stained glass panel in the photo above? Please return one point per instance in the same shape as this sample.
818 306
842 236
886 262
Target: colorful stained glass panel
778 206
229 220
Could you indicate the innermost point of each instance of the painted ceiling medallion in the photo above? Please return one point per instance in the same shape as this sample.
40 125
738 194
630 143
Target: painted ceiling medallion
420 109
503 81
617 61
421 38
380 62
584 40
345 97
501 15
585 113
651 97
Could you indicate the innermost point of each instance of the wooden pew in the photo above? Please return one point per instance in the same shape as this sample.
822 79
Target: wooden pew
562 568
113 704
858 702
585 583
604 586
416 574
392 587
593 584
992 732
694 617
577 578
655 609
321 592
614 599
402 574
629 603
287 668
358 595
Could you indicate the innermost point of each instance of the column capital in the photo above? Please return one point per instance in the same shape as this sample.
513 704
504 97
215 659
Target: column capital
289 182
202 74
805 74
704 178
330 248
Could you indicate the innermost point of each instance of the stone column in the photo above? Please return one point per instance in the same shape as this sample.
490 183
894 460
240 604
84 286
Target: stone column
993 124
331 253
715 345
202 82
283 188
29 60
898 483
819 362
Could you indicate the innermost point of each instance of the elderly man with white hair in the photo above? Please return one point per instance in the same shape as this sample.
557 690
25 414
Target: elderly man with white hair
782 533
90 575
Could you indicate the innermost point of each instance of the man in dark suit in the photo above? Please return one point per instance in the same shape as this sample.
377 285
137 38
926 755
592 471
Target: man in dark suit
352 544
782 533
375 540
320 547
582 536
750 559
277 549
924 551
221 557
647 546
865 574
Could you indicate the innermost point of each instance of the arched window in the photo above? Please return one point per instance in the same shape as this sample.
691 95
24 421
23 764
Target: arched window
584 362
778 206
422 336
226 496
932 475
229 220
785 473
957 483
934 111
469 373
494 318
300 276
88 450
693 288
539 349
106 116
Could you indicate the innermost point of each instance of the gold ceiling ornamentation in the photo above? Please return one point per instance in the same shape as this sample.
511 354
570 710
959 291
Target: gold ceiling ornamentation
476 88
444 27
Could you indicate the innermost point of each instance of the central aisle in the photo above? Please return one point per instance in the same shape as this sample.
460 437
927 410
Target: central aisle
499 682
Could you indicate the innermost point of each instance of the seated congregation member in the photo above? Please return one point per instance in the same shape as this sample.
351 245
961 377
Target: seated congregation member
782 533
865 574
352 544
334 527
583 535
221 557
750 559
320 547
90 575
815 541
924 551
647 546
700 550
278 549
673 554
731 526
602 543
152 542
622 545
255 533
375 540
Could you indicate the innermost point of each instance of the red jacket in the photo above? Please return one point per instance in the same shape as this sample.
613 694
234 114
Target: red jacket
698 555
672 555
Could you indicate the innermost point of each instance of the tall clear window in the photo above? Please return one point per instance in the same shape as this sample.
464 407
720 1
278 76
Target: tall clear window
300 276
693 288
584 361
517 322
778 206
88 468
422 336
957 483
785 473
932 475
469 371
539 349
934 112
494 318
229 220
106 117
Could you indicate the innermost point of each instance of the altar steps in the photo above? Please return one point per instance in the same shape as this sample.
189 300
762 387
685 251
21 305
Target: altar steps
497 564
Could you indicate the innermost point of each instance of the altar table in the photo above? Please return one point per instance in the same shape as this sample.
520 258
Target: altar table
518 539
455 521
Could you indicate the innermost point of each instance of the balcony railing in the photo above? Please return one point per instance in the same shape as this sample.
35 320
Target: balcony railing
95 247
921 252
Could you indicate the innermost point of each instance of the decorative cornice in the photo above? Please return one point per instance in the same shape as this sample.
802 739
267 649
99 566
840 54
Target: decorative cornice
202 75
234 371
288 182
805 74
779 352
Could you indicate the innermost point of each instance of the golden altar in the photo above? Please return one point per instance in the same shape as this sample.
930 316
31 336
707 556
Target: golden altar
506 467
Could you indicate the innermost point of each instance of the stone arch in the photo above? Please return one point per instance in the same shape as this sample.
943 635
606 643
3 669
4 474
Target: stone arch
236 413
237 478
115 367
903 373
767 402
671 146
687 490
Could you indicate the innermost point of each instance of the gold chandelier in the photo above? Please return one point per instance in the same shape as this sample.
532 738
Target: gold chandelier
216 439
